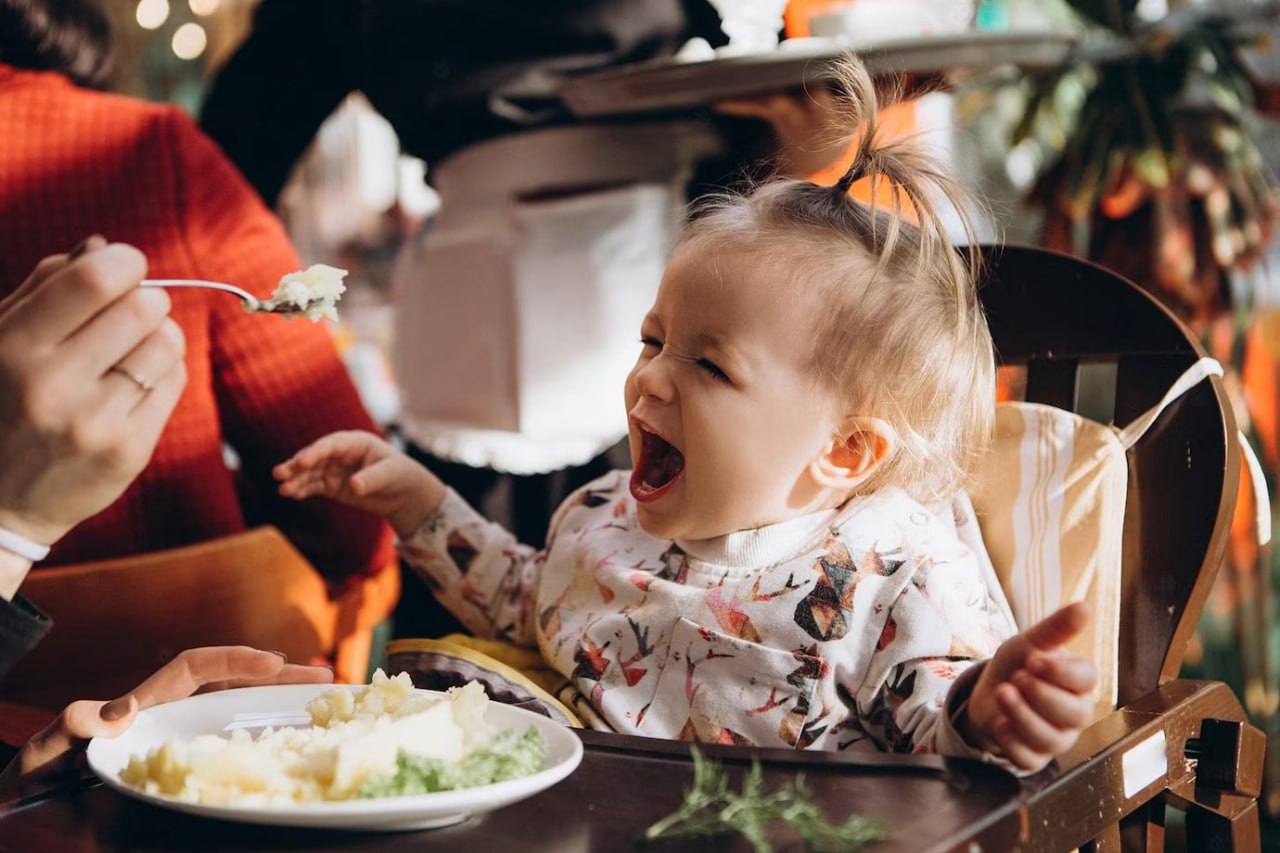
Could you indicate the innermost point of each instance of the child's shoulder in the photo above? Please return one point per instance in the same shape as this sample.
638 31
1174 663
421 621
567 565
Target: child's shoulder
893 535
889 502
892 518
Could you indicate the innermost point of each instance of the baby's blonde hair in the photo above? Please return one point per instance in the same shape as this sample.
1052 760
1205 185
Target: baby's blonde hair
899 334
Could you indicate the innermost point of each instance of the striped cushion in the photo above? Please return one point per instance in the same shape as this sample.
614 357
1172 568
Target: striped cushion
1050 501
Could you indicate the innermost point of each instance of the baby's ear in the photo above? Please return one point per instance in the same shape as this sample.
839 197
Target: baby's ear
862 447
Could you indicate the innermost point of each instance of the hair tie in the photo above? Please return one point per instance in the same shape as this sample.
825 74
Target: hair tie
852 174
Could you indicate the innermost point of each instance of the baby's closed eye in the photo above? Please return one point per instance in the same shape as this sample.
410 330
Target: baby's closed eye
713 370
654 345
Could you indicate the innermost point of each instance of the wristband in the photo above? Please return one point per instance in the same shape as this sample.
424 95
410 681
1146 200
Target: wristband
16 543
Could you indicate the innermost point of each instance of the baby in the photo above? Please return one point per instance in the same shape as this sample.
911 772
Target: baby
781 567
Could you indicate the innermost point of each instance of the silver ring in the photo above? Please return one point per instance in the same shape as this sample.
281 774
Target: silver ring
132 377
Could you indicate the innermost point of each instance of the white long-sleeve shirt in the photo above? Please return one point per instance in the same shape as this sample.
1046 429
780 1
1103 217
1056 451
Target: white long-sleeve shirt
845 628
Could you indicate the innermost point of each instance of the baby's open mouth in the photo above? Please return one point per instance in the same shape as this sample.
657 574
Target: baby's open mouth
657 469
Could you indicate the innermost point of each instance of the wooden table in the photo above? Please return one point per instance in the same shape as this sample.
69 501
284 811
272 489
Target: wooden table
622 785
625 783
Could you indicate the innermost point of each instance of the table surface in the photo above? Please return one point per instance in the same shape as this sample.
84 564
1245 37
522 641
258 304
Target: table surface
622 786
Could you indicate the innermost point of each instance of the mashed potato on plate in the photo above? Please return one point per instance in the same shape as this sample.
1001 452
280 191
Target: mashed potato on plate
375 741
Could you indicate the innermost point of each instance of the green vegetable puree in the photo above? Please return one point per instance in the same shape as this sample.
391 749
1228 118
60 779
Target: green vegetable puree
509 755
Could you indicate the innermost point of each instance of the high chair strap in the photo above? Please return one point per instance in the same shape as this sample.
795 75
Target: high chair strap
1260 496
1194 375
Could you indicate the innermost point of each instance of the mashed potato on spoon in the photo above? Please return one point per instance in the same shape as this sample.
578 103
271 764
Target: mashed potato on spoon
312 293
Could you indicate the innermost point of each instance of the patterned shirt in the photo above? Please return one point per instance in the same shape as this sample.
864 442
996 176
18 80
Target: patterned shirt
845 628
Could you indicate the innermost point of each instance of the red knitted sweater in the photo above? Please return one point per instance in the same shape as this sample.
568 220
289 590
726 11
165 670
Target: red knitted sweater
75 162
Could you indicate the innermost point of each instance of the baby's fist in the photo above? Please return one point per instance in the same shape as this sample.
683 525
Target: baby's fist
1033 697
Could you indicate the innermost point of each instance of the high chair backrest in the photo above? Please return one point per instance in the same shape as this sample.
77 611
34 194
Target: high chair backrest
1091 342
116 621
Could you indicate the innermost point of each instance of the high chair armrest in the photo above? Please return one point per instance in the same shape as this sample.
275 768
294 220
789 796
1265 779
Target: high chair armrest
1131 757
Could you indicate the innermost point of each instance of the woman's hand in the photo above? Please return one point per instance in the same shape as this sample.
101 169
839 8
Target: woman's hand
76 428
1033 698
805 125
193 671
361 470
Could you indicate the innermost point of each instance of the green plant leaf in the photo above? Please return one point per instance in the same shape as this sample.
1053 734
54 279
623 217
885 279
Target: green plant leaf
1043 87
1152 167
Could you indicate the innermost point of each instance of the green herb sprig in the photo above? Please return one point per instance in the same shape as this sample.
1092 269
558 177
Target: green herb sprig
710 809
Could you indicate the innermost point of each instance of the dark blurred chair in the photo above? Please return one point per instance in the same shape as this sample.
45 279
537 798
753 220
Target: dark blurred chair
1092 342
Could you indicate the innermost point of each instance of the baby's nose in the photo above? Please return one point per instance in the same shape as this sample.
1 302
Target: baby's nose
653 379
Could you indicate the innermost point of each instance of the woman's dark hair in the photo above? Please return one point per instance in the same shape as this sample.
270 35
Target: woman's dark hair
68 36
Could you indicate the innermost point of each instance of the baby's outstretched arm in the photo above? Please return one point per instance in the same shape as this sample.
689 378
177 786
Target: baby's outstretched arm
1033 698
491 590
361 470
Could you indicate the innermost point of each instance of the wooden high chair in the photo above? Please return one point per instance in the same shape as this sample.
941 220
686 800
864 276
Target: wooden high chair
1091 341
117 621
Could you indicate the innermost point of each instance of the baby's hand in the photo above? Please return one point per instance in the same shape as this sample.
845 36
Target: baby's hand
361 470
1033 698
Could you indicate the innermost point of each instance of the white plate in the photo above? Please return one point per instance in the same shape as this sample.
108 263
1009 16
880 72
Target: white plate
283 705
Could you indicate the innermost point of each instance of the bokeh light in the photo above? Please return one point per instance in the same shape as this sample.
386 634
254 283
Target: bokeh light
152 13
189 41
204 7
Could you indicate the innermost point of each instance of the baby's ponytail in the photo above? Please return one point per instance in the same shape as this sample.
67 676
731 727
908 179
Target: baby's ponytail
898 332
913 175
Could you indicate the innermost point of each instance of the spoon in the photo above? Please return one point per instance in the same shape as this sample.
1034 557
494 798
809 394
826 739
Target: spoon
252 304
